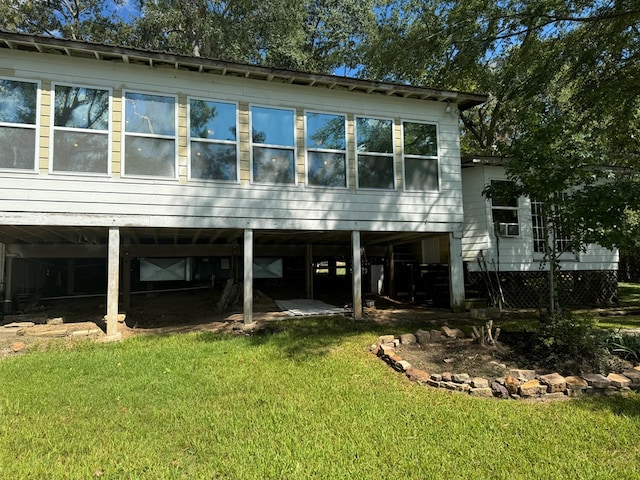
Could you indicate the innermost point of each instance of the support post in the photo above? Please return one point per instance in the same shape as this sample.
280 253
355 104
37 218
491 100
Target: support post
391 289
3 253
356 275
247 308
309 271
8 266
126 282
456 272
71 276
113 283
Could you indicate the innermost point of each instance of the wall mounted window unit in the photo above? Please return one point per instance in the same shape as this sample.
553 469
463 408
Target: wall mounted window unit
150 135
213 140
273 145
81 134
420 156
375 159
326 149
19 113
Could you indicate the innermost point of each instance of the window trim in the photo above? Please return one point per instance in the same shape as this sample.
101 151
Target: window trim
392 154
324 150
175 137
564 255
500 207
293 148
53 129
218 142
437 157
35 127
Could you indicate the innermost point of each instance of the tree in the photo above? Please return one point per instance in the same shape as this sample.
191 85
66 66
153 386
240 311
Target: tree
312 35
88 20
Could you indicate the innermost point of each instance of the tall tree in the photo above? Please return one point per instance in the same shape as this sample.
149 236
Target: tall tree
313 35
89 20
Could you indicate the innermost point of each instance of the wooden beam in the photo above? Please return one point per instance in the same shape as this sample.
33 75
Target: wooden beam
391 282
356 275
247 309
113 280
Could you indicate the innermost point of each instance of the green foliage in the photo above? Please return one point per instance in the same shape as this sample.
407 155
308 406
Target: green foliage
571 344
625 346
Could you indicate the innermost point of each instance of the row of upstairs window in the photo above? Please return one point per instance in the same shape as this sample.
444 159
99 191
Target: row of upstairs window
82 135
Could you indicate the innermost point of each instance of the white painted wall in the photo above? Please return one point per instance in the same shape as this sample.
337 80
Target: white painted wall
512 254
45 198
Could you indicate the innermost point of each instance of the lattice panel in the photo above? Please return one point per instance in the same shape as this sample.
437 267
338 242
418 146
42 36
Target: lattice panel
531 289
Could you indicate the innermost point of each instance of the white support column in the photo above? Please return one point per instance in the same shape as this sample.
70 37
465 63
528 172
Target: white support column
456 272
113 283
248 277
356 275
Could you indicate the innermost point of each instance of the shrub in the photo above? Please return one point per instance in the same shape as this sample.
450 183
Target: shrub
571 344
625 346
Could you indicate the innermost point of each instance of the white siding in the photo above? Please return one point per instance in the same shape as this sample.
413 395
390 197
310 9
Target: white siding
46 198
513 254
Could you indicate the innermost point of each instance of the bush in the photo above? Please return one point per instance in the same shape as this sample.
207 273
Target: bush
571 344
625 346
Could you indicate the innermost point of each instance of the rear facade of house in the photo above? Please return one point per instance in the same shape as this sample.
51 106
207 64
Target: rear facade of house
122 169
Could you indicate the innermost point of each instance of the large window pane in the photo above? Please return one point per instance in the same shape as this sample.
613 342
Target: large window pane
77 107
375 171
420 139
150 156
325 131
18 102
212 120
327 169
272 126
18 148
18 116
421 174
273 140
80 152
374 135
273 165
213 161
150 114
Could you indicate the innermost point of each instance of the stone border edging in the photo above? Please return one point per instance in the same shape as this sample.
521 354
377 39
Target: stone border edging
518 384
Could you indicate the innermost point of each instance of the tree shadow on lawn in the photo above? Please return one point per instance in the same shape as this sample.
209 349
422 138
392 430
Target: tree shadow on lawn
305 338
615 403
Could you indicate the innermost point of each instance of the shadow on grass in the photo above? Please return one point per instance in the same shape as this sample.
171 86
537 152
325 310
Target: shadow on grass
617 404
303 339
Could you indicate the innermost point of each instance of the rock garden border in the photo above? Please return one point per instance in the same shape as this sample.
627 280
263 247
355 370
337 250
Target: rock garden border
519 384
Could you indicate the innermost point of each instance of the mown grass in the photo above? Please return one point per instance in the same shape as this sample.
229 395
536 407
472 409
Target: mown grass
307 401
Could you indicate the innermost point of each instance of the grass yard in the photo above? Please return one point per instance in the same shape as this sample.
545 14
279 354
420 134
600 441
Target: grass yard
308 401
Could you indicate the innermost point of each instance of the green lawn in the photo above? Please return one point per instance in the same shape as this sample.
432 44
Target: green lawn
308 401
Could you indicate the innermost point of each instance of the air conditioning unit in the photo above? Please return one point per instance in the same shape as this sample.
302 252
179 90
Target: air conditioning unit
508 229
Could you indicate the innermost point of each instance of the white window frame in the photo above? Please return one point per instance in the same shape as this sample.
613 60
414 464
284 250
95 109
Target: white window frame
293 148
214 141
345 152
506 208
437 157
392 155
564 255
35 127
125 134
54 128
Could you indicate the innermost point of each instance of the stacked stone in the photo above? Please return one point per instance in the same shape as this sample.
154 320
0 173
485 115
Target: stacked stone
518 384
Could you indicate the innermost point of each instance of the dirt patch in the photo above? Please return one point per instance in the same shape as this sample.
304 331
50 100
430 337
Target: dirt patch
458 356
